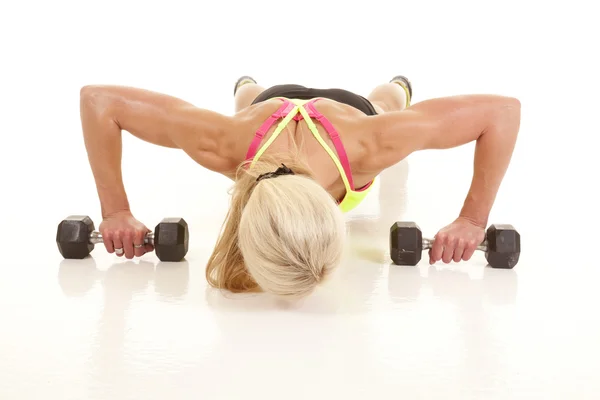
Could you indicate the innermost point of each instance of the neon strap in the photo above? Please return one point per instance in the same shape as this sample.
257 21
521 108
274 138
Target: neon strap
264 128
290 110
346 176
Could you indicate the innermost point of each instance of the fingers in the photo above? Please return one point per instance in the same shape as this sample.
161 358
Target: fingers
448 252
127 243
118 245
458 241
438 248
459 250
469 250
107 239
138 243
447 248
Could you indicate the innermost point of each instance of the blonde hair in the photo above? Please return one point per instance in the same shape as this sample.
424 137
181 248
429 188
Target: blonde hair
282 235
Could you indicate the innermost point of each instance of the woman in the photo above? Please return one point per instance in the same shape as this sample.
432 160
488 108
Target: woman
300 158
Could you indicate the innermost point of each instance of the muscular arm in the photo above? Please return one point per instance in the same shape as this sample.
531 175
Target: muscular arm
492 121
155 118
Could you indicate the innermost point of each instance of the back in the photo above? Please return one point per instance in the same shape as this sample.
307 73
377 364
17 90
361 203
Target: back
347 122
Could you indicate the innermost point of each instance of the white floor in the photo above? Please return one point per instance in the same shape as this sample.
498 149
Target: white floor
105 328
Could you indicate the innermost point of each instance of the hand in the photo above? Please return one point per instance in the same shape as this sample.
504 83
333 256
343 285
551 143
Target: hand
122 231
457 241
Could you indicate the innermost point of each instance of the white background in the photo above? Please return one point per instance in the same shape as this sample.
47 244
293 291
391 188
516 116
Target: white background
104 328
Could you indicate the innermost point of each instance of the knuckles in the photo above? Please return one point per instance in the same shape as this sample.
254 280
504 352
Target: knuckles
442 238
127 233
451 246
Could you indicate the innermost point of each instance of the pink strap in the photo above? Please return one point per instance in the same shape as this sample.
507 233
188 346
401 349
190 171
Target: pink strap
313 113
335 138
264 128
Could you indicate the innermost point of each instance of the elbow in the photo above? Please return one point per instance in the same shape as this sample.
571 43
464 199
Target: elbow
95 98
508 118
87 91
507 110
513 106
90 92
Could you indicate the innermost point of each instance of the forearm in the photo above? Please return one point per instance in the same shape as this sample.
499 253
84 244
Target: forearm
493 152
102 137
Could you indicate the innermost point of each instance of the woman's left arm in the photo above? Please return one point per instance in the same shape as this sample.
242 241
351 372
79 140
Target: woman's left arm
493 122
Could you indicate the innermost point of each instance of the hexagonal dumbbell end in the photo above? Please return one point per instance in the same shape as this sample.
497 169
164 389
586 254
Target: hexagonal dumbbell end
73 236
171 238
406 243
503 246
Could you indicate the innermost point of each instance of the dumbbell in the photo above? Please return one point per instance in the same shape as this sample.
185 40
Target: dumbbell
76 237
502 245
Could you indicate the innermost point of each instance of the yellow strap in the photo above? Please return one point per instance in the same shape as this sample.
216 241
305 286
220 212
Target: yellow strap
315 132
276 133
403 86
313 128
407 95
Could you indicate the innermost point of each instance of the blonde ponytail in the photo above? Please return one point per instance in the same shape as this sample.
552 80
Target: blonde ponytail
282 235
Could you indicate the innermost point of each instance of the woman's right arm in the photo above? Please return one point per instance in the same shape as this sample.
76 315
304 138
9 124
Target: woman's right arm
153 117
156 118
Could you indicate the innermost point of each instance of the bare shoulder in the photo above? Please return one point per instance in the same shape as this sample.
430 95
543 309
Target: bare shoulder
213 139
439 123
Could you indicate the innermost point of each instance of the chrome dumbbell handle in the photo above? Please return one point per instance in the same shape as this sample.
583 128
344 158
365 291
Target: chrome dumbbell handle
428 244
96 238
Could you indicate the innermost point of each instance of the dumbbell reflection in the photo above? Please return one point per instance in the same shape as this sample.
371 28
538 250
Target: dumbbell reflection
454 284
77 278
118 315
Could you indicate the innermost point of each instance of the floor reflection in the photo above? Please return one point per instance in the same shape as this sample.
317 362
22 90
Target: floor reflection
368 235
458 284
124 278
120 283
